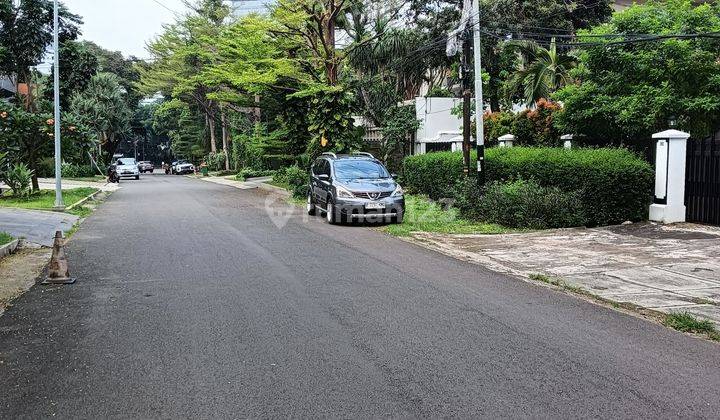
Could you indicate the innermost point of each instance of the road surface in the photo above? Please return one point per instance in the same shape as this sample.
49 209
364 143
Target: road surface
191 302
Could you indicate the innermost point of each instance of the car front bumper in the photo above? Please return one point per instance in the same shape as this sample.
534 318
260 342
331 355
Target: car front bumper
128 174
358 208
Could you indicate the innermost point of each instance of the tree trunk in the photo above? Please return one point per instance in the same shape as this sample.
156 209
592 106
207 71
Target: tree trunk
211 126
225 142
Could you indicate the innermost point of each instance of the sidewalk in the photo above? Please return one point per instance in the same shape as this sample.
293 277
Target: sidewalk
35 226
249 184
49 184
664 268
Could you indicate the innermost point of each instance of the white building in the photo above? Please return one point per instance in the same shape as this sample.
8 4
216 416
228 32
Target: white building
439 130
241 8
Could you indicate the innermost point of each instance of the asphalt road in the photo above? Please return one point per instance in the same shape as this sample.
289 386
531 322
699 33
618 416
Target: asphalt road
191 302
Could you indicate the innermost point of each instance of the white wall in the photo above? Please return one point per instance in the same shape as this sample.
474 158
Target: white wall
435 116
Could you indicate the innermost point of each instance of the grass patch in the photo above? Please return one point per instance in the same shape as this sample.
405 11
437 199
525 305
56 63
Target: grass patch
96 178
686 322
45 199
5 238
279 184
424 215
561 283
81 211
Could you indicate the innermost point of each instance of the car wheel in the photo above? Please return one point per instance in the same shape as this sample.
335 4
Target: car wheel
310 205
398 218
152 171
330 213
137 177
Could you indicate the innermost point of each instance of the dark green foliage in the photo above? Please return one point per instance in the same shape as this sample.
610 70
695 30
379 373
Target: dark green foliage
77 171
520 204
247 173
330 122
26 31
77 66
433 174
215 161
296 180
614 184
629 91
532 127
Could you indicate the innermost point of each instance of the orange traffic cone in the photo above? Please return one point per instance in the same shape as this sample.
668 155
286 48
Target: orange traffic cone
58 272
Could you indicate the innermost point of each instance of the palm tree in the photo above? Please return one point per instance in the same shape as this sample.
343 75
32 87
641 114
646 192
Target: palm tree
543 70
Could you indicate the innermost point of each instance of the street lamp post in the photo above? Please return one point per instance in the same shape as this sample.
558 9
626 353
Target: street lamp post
59 204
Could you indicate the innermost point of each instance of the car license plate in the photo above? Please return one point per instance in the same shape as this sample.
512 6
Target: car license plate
374 206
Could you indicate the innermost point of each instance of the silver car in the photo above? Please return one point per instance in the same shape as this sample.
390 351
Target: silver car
127 168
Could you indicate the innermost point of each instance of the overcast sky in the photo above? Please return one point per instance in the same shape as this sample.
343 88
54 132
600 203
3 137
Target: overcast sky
124 25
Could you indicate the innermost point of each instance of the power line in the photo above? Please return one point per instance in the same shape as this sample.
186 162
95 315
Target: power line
167 8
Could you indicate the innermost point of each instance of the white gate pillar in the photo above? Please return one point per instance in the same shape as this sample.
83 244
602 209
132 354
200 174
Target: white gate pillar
506 141
669 202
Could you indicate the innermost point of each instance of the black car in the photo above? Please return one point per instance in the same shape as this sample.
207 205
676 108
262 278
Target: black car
355 187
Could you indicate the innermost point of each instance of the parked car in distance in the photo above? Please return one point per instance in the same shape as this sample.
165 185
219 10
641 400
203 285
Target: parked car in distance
354 187
146 166
183 167
127 168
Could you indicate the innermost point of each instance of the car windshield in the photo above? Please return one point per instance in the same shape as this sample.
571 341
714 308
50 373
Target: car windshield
359 169
126 161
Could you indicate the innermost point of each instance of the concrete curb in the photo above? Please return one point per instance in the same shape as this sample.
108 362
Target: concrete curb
9 248
83 201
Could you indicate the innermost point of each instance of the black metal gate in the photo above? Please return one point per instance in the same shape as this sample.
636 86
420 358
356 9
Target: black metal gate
702 180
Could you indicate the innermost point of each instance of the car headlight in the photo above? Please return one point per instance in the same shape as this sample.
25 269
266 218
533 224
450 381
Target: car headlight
344 193
398 191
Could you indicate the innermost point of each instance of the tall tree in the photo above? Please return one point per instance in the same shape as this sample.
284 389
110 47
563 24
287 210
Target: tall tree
181 56
124 68
26 31
102 107
542 71
622 95
77 66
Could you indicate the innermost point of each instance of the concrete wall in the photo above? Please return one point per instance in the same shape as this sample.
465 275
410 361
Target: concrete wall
435 115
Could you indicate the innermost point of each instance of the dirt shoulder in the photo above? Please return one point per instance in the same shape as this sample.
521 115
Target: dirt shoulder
18 273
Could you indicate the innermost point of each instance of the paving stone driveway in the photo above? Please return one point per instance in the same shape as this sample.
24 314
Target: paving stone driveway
672 268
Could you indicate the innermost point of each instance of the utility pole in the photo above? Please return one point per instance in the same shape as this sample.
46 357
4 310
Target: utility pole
467 99
59 204
479 107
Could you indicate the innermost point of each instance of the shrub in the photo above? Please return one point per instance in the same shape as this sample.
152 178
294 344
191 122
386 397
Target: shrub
521 204
215 161
253 173
535 127
496 124
76 171
296 180
433 174
18 178
614 184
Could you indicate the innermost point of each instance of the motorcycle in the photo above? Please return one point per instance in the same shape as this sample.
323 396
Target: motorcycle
166 167
113 176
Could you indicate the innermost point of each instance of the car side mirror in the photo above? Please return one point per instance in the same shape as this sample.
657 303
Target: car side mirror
324 177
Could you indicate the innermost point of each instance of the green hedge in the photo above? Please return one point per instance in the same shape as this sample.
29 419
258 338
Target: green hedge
614 184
